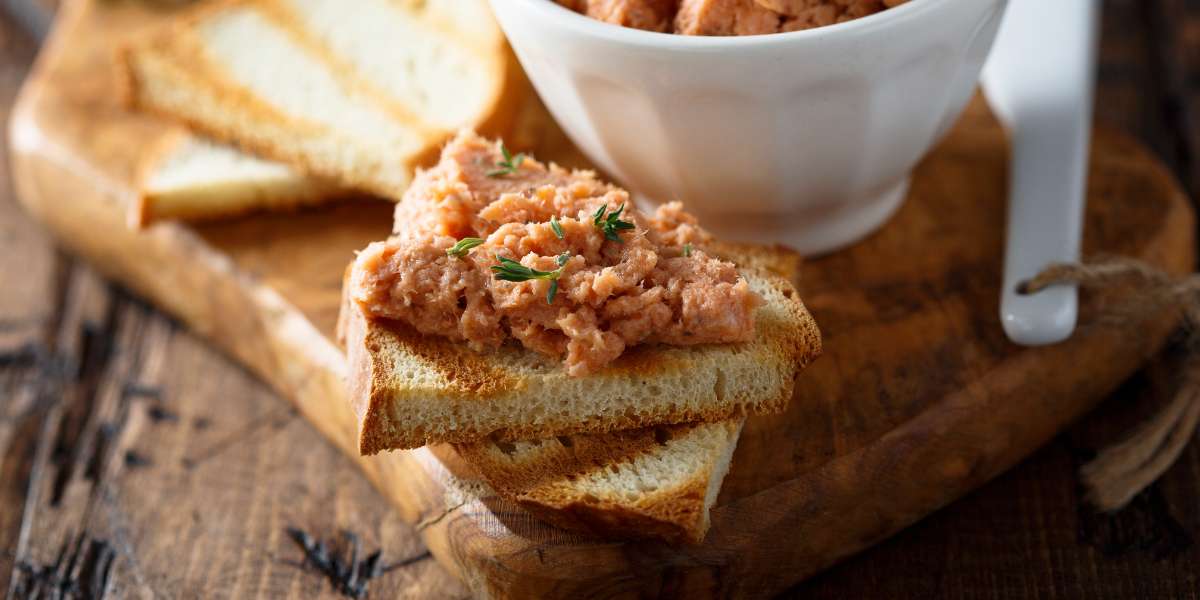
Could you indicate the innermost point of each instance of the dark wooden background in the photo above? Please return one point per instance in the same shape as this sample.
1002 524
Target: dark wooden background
135 461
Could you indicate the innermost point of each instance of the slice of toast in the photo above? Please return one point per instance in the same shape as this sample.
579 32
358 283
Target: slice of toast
358 96
650 482
409 390
191 179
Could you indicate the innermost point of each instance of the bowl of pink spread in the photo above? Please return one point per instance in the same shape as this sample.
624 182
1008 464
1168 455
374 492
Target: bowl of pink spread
791 121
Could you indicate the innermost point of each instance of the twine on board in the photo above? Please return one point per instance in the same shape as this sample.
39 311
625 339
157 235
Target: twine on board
1119 472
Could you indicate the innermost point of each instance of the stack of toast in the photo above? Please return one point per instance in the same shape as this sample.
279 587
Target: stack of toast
302 101
289 103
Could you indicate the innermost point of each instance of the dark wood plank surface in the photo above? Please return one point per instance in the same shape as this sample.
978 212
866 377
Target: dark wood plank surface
110 415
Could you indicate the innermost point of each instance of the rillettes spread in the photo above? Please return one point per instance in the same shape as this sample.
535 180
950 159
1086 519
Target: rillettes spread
727 17
490 246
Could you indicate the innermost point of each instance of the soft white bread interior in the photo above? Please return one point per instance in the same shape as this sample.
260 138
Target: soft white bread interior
191 179
360 95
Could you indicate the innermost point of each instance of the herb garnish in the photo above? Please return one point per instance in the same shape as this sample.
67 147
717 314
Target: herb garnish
463 246
687 250
509 165
511 270
558 232
611 225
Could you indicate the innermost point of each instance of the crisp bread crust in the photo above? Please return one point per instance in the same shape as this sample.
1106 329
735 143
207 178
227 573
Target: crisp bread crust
466 378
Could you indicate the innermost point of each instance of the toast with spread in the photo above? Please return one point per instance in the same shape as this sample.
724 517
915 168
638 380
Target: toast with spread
360 97
641 323
409 389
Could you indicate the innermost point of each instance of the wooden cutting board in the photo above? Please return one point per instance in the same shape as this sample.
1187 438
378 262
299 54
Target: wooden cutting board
918 399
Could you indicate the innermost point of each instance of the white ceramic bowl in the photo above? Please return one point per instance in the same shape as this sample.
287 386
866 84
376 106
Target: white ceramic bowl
804 138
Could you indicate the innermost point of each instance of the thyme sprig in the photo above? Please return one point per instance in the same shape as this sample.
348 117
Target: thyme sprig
611 224
687 250
509 165
463 247
558 232
511 270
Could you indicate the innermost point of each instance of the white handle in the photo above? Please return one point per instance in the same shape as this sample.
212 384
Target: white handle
1039 80
1045 214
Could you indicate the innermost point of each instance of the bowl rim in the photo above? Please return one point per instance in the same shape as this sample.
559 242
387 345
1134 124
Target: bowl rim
583 25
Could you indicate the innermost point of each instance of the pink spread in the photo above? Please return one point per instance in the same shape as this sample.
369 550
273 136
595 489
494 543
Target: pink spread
655 285
727 17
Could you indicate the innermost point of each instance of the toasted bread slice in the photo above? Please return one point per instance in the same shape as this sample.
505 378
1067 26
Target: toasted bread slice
191 179
409 390
357 96
650 482
653 482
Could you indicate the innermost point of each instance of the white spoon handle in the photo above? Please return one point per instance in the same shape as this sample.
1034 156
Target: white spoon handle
1039 80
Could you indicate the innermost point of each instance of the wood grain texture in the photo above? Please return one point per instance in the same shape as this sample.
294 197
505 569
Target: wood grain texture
880 434
188 481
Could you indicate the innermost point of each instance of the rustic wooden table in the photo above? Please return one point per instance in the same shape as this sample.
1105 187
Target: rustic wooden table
135 460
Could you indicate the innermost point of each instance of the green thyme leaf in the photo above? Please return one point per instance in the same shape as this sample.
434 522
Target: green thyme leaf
611 225
687 250
463 246
511 270
598 216
558 232
509 165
